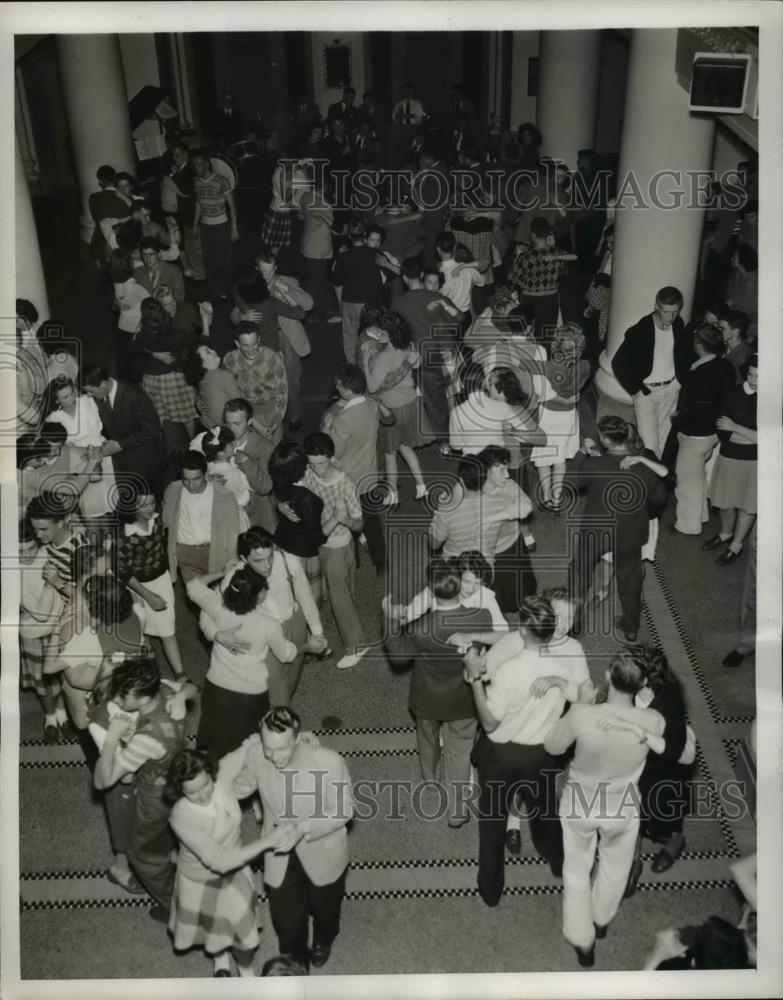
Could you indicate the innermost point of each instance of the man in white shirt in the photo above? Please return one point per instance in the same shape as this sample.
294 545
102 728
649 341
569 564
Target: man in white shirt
290 601
650 364
202 519
459 278
600 801
517 707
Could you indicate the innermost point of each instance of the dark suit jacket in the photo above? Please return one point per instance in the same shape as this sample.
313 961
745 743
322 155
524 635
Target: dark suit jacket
104 204
349 115
626 499
701 395
437 689
134 423
232 127
634 359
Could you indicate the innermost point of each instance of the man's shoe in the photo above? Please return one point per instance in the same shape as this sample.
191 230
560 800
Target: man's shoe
514 841
585 956
51 734
728 557
667 855
733 659
67 732
715 542
628 638
600 931
320 955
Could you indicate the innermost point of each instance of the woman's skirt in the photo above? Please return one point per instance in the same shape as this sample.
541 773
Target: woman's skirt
562 437
31 653
158 623
407 429
734 485
215 915
171 396
276 230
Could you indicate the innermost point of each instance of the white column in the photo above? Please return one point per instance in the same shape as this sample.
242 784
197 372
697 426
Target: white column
570 63
30 282
663 148
96 103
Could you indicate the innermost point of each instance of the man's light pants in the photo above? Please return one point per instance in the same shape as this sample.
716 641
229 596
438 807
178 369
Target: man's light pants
606 819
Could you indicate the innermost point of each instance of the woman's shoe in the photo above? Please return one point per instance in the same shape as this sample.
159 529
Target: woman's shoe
715 542
728 557
585 956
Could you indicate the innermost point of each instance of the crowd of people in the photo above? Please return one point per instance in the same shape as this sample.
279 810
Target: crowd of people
473 333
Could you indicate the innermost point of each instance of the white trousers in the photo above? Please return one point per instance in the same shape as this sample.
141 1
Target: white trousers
610 826
691 488
653 414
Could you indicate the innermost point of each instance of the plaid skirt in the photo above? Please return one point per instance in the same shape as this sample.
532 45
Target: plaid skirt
276 230
315 577
171 396
215 915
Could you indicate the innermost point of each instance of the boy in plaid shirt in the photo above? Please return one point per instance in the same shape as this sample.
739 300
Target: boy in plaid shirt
342 514
536 274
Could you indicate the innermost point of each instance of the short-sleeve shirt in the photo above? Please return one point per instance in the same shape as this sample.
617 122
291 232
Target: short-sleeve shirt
523 719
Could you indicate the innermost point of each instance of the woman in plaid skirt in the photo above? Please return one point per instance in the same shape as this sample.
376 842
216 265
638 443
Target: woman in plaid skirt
163 340
215 904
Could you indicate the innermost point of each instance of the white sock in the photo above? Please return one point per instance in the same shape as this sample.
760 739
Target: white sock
513 822
61 715
421 491
221 961
50 720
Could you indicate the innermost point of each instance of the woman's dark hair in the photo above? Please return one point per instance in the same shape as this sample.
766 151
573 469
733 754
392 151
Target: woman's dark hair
242 593
192 366
446 241
747 257
83 561
92 375
118 268
26 310
658 675
462 255
129 237
494 455
473 561
108 600
537 616
185 766
399 332
558 594
373 315
32 445
473 474
253 289
530 128
710 338
58 383
503 297
287 465
445 577
352 377
139 674
319 444
212 443
154 318
128 498
507 384
541 228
